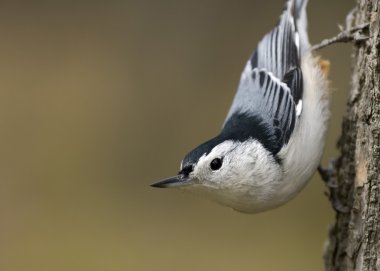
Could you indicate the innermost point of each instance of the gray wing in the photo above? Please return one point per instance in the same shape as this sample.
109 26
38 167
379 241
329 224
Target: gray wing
271 86
278 51
265 109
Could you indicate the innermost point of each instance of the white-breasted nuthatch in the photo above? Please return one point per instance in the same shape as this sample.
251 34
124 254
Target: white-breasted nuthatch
273 137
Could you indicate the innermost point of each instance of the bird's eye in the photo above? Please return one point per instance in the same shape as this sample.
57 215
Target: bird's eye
216 164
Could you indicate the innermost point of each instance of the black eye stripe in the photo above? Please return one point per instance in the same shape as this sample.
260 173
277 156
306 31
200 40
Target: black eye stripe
186 170
216 163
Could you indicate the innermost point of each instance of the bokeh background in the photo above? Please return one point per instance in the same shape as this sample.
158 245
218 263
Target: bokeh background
100 98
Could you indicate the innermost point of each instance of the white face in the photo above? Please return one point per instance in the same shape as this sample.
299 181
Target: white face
247 171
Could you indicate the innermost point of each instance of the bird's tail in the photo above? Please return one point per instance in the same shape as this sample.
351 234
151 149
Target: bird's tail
296 10
300 17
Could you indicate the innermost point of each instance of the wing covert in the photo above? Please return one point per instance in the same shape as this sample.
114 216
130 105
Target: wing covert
268 104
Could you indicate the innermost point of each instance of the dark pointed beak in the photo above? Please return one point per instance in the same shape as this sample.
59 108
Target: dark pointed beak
175 181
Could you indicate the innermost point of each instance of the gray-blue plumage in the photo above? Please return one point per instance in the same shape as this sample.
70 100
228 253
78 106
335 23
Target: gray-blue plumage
270 88
277 61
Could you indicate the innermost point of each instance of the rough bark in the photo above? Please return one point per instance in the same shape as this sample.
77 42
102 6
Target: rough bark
354 240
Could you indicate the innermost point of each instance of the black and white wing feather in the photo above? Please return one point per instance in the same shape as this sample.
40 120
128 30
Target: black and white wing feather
268 101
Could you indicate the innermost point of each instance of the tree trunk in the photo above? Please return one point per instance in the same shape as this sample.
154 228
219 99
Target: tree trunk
354 240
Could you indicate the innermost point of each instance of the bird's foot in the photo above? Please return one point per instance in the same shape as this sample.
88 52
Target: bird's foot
348 33
356 34
329 176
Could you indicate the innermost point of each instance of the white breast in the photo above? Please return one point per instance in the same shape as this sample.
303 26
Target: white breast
303 153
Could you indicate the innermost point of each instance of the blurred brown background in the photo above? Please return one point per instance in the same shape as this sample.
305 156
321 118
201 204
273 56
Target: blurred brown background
100 98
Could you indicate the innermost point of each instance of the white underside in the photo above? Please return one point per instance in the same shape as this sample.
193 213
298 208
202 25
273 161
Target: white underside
302 155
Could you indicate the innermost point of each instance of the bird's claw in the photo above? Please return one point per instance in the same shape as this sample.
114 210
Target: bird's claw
329 175
355 34
358 33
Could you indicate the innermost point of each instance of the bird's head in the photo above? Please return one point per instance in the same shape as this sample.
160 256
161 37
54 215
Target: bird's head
227 171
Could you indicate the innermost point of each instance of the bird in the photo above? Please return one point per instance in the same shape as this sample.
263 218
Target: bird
273 137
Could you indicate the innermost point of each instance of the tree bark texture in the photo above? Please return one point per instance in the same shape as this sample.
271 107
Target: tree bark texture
354 240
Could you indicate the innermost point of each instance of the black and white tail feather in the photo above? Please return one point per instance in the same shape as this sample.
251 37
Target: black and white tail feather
273 137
